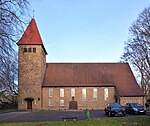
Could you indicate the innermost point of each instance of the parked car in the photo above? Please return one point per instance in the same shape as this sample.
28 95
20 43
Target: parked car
114 109
135 108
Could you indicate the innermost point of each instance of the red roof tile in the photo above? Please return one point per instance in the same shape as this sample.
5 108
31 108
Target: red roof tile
93 74
31 35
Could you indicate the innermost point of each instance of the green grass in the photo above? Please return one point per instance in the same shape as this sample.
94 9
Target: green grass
115 121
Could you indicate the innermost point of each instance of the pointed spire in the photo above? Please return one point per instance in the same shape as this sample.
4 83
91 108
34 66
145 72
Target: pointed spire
31 35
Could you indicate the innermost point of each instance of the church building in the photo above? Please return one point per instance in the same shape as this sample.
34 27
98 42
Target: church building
64 86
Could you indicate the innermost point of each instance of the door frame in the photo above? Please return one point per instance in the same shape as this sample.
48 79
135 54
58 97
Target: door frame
29 102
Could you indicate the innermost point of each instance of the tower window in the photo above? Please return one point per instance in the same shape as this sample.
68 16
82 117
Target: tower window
34 49
24 49
29 49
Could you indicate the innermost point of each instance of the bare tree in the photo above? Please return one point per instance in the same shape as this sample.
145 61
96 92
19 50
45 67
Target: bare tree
137 49
13 15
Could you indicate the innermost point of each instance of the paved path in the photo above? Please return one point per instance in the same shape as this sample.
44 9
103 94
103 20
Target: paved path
10 115
40 116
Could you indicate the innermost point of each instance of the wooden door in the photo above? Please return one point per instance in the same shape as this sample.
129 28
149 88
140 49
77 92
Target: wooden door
73 105
29 104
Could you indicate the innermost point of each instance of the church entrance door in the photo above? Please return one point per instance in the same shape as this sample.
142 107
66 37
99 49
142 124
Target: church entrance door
73 105
29 104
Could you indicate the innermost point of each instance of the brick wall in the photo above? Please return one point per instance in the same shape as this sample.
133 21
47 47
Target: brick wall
88 104
30 75
124 100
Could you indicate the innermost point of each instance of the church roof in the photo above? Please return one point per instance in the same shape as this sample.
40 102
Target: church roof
118 75
31 35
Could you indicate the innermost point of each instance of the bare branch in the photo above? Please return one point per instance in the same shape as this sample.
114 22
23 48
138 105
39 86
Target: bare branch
137 49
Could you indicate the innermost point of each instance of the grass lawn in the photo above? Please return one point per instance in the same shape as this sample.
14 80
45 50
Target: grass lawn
115 121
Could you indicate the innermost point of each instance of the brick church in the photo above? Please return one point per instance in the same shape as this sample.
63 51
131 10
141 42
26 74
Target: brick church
63 86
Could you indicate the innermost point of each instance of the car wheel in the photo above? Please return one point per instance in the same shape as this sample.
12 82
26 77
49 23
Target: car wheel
135 113
132 112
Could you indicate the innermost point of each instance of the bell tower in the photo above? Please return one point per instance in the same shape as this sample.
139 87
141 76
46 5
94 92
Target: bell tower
31 68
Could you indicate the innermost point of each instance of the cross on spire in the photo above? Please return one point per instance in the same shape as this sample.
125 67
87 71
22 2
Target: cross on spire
33 13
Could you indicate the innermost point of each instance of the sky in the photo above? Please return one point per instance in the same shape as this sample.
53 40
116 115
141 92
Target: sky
85 30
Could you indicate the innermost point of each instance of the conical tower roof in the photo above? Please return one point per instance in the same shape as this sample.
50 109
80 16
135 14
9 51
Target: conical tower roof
31 35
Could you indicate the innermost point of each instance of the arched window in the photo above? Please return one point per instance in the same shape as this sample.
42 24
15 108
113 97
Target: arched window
72 92
95 94
61 92
51 92
106 94
83 94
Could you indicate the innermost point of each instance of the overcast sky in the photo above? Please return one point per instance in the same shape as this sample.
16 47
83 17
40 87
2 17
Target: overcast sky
85 30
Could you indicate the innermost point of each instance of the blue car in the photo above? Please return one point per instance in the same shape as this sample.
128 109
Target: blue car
135 108
114 109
